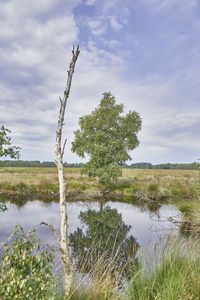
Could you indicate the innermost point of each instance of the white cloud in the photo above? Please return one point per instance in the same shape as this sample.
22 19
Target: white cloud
90 2
115 24
160 6
97 27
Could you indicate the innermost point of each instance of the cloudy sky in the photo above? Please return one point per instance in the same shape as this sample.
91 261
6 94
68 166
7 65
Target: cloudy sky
146 52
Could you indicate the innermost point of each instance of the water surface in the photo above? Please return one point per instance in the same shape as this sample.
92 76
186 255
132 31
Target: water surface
148 226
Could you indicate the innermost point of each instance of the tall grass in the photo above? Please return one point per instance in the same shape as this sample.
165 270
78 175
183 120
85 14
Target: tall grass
176 278
102 282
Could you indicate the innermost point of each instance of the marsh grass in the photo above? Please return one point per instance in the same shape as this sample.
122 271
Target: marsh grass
135 185
190 225
103 281
153 183
41 180
176 278
175 275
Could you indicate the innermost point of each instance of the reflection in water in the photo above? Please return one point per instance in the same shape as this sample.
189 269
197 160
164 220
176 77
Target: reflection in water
152 206
20 201
104 234
147 230
3 206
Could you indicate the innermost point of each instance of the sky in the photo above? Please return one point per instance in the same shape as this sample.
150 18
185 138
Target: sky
145 52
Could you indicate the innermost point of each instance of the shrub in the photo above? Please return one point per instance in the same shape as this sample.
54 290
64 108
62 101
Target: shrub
26 269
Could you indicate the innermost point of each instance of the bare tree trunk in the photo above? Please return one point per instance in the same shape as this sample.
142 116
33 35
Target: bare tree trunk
68 265
63 239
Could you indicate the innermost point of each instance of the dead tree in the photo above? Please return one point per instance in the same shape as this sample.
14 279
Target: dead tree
62 239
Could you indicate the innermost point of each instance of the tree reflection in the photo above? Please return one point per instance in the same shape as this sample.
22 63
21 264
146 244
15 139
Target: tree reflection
3 206
104 233
20 201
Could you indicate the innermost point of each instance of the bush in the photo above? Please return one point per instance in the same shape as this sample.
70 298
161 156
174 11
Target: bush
26 269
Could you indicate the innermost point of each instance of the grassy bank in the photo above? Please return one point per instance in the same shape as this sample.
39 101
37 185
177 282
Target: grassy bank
140 184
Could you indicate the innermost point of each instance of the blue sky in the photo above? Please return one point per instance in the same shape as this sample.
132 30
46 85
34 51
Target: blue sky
146 52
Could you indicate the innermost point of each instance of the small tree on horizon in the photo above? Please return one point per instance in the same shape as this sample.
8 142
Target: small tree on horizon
106 137
6 149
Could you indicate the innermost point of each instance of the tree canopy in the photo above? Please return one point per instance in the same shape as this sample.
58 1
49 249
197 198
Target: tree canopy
106 136
5 144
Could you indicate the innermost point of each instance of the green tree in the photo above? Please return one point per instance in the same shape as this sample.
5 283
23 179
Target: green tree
104 233
6 150
26 268
106 136
5 144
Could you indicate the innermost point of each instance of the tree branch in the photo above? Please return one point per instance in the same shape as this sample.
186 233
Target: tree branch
52 229
75 54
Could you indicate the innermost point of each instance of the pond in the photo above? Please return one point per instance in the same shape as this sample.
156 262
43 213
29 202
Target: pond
146 225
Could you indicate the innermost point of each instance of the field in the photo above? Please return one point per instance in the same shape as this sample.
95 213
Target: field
137 184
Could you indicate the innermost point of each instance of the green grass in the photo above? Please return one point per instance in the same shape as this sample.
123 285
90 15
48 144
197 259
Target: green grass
177 278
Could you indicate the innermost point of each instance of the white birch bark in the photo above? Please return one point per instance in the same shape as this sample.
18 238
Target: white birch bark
63 239
67 262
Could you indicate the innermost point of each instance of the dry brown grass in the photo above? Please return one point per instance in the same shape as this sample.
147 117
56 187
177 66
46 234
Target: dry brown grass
35 175
42 179
161 175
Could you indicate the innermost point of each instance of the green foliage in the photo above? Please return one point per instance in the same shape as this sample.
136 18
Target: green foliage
5 144
26 269
106 136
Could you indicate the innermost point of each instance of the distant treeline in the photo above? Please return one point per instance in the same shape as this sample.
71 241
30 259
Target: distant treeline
167 166
35 163
142 165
